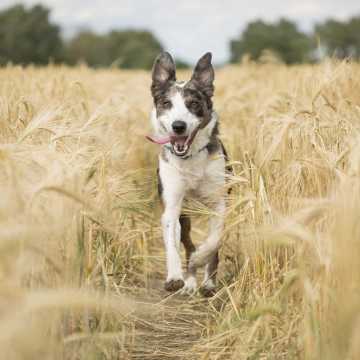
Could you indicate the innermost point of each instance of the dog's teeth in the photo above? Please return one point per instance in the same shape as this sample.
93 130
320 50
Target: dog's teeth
180 149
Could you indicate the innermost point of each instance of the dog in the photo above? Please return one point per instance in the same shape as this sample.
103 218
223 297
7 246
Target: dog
192 163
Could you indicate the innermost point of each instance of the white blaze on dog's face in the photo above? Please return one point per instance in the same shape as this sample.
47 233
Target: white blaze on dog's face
181 108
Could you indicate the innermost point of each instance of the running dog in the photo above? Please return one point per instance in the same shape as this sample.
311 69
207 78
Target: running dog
192 163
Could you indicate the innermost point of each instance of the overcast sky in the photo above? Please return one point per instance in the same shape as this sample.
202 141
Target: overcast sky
188 28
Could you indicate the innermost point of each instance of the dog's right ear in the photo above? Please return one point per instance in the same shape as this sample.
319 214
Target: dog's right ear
163 69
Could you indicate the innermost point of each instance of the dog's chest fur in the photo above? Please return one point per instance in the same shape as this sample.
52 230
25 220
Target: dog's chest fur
200 177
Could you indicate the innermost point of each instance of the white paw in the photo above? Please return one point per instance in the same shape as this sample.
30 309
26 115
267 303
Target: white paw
190 286
175 276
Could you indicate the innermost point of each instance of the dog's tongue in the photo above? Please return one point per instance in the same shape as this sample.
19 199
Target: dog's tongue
159 140
166 139
179 140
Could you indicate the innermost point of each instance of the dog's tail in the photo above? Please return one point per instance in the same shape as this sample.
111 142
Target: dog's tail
203 254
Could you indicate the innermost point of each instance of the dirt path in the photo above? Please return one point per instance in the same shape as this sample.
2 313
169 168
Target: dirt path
172 328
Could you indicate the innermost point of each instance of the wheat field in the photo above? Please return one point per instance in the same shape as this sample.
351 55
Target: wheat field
81 257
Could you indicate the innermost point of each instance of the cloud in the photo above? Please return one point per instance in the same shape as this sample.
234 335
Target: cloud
189 28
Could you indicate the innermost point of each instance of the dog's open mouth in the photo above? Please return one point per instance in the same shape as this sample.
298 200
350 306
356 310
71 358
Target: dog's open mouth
180 144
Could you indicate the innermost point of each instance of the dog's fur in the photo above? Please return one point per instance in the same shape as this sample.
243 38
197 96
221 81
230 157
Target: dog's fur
199 174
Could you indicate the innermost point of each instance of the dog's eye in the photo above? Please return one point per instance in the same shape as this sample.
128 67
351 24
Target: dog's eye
166 104
194 105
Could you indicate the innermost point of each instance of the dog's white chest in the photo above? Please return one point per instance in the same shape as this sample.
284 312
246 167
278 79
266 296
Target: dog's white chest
193 172
200 177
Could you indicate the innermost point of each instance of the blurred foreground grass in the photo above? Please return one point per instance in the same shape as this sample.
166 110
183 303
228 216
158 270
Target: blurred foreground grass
81 255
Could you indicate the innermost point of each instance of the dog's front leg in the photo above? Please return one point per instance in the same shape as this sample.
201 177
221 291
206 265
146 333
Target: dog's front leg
172 196
171 234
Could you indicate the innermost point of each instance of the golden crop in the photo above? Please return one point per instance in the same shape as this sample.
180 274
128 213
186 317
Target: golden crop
81 255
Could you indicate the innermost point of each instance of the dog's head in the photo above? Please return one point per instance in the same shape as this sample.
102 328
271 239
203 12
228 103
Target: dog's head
181 108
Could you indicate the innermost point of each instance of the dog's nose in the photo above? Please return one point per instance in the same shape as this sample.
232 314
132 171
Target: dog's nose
179 126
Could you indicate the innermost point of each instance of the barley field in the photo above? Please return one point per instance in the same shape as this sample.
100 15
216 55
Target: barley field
81 257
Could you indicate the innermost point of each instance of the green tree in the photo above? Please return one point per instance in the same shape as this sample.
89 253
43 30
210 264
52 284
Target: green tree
88 47
133 49
27 36
341 39
126 49
181 64
283 38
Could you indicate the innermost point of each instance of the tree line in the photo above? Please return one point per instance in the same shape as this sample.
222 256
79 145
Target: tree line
333 38
28 36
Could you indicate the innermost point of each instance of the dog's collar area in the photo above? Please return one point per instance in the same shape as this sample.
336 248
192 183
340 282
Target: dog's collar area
170 148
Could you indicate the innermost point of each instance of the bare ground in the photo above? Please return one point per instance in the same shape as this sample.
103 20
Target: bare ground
174 325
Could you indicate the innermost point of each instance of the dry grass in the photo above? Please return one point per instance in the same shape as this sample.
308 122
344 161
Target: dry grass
81 255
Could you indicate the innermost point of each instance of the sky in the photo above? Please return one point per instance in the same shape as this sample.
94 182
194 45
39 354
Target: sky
189 28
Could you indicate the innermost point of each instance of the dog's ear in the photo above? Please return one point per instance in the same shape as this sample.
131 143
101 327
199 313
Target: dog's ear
203 75
163 69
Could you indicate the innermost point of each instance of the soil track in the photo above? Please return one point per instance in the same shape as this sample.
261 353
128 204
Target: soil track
173 328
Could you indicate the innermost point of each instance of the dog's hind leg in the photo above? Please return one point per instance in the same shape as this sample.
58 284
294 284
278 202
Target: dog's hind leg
190 281
185 238
209 283
207 253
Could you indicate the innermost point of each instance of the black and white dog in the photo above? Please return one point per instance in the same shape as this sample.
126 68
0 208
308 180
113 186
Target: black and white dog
192 163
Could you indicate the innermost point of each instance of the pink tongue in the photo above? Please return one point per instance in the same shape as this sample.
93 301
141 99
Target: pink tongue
160 141
166 139
180 140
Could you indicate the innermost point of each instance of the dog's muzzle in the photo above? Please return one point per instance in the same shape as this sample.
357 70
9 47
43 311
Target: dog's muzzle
180 144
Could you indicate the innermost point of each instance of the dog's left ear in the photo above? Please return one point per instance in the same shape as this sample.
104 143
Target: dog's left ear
203 75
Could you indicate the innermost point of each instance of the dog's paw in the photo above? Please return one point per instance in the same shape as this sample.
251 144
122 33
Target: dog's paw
190 286
208 289
174 284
